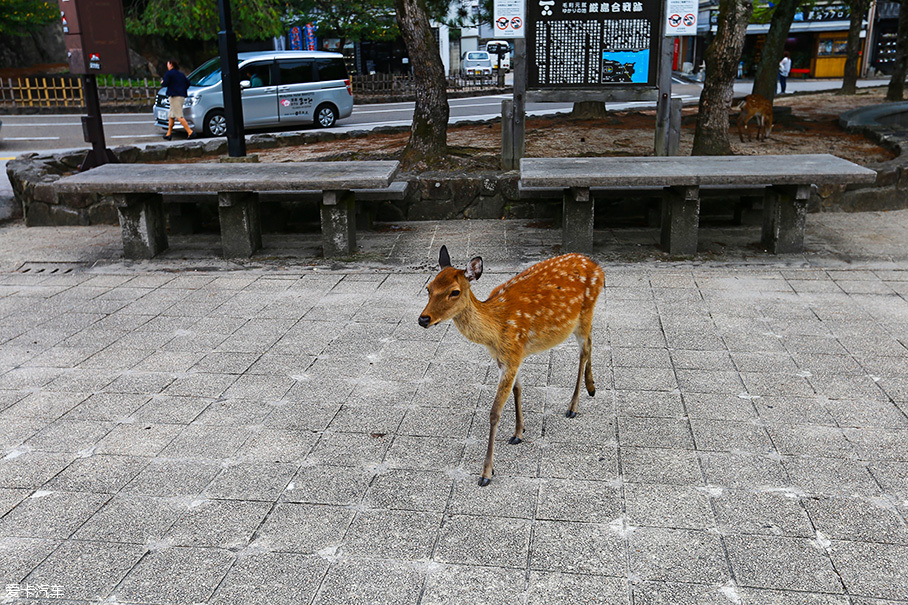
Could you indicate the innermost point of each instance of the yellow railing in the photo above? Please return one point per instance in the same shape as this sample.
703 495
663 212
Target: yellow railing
63 91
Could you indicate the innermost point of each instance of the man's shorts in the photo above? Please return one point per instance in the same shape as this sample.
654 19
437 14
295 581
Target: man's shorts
176 107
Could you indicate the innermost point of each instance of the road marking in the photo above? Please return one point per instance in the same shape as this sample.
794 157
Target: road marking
15 124
31 138
7 159
133 136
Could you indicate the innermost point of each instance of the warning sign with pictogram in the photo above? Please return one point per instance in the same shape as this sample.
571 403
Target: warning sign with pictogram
509 19
681 18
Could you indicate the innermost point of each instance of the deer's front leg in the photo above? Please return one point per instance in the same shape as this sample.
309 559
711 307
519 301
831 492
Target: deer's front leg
505 384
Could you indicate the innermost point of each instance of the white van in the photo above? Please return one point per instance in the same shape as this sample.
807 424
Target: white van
278 88
492 47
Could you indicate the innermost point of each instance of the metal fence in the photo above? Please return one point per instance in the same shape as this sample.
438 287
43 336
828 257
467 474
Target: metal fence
66 91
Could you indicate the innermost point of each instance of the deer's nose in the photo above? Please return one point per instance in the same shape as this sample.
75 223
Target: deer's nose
424 320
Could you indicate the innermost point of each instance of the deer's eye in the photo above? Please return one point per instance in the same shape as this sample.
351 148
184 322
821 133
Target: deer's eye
455 293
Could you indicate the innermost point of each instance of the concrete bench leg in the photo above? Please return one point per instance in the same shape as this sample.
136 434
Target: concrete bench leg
142 223
241 229
680 219
784 218
338 210
577 225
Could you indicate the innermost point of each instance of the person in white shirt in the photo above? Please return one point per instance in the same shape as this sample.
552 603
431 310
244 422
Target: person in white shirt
784 70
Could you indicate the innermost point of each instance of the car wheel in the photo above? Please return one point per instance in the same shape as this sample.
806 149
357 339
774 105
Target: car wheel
215 123
325 116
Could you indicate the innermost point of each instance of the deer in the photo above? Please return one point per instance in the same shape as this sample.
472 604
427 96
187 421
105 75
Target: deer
755 106
530 313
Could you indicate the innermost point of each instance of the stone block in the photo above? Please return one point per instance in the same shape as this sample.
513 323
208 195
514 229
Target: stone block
127 154
102 213
37 214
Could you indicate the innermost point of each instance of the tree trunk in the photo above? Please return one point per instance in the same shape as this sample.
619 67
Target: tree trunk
768 70
853 53
722 57
428 144
588 110
896 89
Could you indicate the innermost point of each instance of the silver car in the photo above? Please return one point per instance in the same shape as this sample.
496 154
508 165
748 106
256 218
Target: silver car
476 63
279 88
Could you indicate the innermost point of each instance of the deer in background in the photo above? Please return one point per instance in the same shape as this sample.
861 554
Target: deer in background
759 107
531 313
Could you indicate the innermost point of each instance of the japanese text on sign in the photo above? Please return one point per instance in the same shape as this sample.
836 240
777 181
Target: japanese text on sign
590 44
681 17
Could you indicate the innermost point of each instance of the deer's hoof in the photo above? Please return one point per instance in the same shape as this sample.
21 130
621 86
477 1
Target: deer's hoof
515 440
570 414
592 392
484 481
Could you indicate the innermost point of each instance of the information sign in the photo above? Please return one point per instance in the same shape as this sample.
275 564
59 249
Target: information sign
510 19
681 17
583 44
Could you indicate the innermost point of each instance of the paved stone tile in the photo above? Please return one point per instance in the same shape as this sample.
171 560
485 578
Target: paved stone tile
69 436
397 535
200 441
165 478
355 581
557 588
572 500
53 515
165 409
226 524
265 578
831 476
138 439
304 528
100 474
87 570
583 548
19 556
132 519
674 506
739 470
410 490
652 593
484 540
876 520
664 466
782 563
467 584
175 575
677 555
872 570
21 468
778 513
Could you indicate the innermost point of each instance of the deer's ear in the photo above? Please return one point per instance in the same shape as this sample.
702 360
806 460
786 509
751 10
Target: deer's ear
474 268
444 260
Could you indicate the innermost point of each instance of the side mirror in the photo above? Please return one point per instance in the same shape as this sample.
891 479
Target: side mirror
244 84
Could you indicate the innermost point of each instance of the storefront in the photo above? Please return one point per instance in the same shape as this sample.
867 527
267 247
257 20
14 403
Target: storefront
817 41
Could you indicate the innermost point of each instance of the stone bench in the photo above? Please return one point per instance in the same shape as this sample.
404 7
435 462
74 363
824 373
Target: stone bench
179 206
786 181
137 191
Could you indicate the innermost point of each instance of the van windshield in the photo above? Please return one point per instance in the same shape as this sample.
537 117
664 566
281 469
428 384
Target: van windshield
206 75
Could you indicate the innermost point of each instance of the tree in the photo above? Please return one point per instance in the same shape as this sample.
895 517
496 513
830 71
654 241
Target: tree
896 89
722 57
198 19
853 52
20 17
428 143
347 19
774 47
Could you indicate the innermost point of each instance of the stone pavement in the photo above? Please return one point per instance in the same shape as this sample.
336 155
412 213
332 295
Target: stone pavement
191 430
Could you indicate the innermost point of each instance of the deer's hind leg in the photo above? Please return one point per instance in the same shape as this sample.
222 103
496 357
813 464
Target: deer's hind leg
583 334
518 410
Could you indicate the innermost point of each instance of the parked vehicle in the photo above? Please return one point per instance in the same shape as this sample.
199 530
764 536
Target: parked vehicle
279 88
476 63
496 49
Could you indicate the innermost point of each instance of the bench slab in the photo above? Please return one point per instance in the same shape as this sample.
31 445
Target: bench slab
785 179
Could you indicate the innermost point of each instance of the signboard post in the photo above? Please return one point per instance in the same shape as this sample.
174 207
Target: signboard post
95 35
510 22
680 20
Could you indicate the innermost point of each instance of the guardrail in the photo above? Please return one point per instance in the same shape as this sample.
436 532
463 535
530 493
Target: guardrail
66 91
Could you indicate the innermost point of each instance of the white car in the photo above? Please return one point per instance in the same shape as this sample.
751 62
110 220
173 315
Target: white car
279 88
476 64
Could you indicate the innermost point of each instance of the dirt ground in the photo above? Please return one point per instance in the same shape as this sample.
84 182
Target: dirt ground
812 128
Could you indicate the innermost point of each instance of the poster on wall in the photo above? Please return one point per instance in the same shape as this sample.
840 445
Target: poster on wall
593 44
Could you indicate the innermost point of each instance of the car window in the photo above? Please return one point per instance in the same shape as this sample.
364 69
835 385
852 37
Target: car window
258 74
330 69
477 56
295 71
